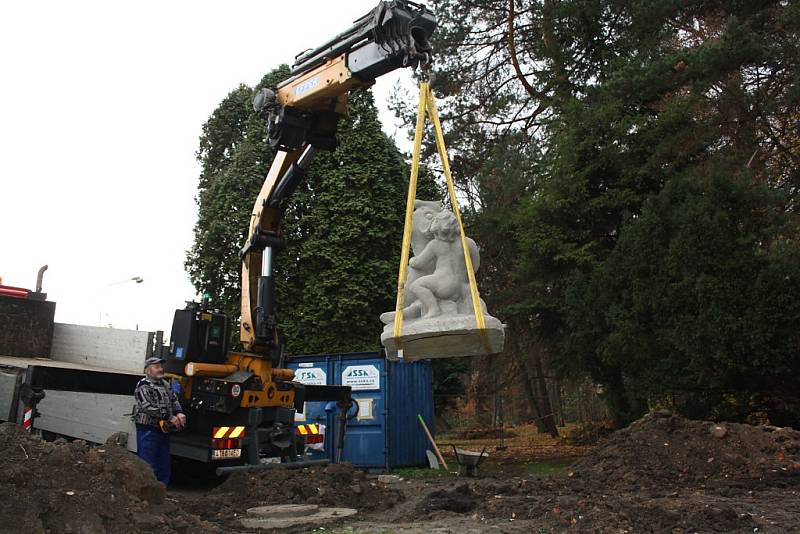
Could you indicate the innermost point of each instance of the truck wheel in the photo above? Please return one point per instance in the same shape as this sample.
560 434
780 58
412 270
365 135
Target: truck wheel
46 435
292 454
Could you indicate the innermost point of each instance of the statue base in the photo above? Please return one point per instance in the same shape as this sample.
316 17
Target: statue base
443 337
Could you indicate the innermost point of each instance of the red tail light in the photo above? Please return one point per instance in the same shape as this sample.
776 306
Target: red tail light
227 437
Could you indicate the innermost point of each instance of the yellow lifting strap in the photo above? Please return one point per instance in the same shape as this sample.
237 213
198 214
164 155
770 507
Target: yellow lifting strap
427 102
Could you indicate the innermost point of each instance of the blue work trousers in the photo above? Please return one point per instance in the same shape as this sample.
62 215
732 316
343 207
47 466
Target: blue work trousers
153 447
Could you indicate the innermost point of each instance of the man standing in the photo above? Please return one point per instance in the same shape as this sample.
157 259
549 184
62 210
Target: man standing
157 411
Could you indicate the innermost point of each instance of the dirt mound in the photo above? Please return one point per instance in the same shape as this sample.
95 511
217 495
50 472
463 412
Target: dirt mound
72 487
331 485
338 485
461 499
665 449
664 473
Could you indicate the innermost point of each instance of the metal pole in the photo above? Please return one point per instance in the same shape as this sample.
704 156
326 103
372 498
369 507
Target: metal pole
342 416
305 158
266 262
291 178
266 298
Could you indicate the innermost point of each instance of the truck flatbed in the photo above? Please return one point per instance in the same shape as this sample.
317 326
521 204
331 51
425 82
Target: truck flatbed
23 362
81 401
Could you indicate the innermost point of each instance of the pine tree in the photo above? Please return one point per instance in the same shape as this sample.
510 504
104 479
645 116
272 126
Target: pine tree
683 106
698 304
621 106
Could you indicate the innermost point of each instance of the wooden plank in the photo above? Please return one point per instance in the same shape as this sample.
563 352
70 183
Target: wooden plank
92 417
15 361
433 442
108 348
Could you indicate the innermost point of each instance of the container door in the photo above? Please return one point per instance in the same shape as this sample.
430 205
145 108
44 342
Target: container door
365 440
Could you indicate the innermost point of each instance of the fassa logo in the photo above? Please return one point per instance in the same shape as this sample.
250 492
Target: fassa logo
355 373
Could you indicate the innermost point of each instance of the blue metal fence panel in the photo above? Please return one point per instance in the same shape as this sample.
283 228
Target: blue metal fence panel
386 432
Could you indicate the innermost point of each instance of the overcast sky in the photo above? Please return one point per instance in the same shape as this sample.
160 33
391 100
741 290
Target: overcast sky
101 107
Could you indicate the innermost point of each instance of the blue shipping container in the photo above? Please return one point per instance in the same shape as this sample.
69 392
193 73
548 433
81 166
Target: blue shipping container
386 432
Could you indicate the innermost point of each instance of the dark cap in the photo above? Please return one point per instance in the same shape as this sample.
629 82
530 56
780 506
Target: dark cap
152 361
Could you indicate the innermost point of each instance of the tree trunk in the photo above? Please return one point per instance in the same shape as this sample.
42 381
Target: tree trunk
520 362
623 410
531 394
557 401
548 417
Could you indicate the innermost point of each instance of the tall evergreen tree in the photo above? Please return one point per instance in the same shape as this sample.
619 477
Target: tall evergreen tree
346 225
343 225
697 306
234 157
688 101
610 103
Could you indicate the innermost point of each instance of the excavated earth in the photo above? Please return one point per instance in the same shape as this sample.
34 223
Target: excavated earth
661 474
72 487
338 485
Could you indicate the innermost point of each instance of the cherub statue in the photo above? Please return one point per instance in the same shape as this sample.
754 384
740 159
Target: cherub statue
438 317
449 275
425 211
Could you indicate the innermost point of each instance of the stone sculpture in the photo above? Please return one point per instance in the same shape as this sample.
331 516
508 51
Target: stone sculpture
438 318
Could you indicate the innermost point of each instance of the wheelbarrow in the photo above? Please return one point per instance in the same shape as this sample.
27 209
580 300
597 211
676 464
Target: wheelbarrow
469 460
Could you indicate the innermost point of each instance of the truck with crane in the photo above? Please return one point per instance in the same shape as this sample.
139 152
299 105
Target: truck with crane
241 404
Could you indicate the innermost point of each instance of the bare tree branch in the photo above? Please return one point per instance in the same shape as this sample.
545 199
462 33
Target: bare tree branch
512 50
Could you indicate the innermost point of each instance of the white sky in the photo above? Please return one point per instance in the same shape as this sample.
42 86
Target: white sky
101 108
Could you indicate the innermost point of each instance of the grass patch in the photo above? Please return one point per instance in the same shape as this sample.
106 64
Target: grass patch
486 469
546 468
420 472
348 530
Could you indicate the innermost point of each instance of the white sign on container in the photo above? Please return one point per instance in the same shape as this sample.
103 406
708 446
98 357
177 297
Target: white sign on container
361 377
313 376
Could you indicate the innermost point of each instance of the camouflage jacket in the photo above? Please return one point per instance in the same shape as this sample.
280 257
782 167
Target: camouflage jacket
155 401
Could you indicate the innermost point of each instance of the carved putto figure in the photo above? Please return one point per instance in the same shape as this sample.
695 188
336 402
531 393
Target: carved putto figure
438 318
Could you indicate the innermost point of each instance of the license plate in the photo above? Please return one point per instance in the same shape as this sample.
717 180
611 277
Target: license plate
220 454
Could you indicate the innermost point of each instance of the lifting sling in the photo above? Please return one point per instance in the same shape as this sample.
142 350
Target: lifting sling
427 103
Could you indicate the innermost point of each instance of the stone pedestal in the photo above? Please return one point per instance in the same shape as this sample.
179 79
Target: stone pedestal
444 337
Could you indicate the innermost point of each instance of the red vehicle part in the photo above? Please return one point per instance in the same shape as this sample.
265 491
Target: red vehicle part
311 433
18 292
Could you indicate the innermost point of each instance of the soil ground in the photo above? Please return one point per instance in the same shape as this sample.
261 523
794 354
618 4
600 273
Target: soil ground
661 474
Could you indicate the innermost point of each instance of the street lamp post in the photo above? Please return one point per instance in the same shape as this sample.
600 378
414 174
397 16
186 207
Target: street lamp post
135 279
